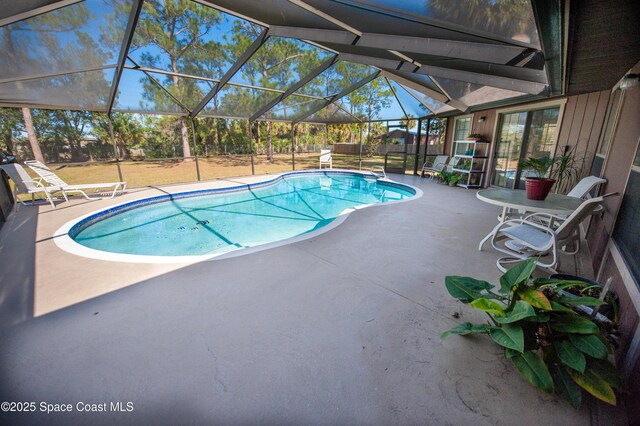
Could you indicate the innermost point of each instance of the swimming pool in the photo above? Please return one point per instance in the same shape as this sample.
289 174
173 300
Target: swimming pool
198 225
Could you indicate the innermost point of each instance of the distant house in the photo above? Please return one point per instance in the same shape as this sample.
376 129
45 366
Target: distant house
398 136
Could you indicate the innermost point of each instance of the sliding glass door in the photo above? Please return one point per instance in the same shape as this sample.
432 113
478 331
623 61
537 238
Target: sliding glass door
520 135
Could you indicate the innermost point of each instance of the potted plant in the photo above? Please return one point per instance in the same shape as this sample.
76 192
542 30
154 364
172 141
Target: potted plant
554 347
474 137
454 179
465 165
538 186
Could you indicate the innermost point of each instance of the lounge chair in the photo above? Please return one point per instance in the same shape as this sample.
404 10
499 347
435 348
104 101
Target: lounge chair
530 237
438 165
50 177
325 158
25 184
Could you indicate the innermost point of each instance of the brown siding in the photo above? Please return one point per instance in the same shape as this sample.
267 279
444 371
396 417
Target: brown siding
486 127
581 125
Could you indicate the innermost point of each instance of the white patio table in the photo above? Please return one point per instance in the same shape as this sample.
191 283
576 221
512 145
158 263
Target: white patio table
555 204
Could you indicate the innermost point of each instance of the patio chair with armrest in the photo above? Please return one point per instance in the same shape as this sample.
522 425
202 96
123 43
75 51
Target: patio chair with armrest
529 237
50 177
25 184
438 165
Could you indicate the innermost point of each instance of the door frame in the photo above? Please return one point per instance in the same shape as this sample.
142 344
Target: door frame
561 103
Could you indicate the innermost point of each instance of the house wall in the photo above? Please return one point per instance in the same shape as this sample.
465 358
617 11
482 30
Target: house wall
581 125
604 257
582 122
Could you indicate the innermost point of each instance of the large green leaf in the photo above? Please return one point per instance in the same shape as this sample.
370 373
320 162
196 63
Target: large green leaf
509 336
606 371
510 353
465 289
595 385
489 306
516 274
565 386
573 324
466 328
533 368
539 318
570 355
521 310
536 298
560 308
582 300
590 345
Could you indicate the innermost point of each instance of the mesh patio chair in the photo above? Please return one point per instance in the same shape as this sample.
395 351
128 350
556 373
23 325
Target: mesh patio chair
438 165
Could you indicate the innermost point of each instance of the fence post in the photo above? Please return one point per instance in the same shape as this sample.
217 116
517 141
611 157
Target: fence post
293 146
360 149
195 147
417 147
115 147
253 171
426 143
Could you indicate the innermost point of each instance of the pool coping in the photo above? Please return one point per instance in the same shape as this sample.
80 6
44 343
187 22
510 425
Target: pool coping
65 242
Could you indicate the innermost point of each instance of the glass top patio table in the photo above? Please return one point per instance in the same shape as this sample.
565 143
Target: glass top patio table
555 204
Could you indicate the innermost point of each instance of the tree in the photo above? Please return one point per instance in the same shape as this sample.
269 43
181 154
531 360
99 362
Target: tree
128 132
61 40
508 18
277 65
31 134
177 28
10 121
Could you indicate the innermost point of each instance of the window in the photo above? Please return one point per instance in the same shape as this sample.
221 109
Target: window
607 133
461 129
626 233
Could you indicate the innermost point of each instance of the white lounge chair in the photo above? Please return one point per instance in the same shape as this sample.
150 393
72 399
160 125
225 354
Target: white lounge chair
25 184
438 165
529 237
325 158
50 177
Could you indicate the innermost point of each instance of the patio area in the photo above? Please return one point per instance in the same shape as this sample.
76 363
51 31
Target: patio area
342 328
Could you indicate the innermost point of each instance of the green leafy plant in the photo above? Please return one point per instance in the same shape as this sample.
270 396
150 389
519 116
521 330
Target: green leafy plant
454 179
567 169
444 176
465 165
540 165
555 348
474 136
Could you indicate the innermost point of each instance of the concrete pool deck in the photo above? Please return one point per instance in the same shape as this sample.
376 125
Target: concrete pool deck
342 328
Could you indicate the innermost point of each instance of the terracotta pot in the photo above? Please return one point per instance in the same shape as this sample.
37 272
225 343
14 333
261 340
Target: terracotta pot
538 188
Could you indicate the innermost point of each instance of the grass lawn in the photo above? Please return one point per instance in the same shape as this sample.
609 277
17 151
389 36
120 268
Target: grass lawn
147 173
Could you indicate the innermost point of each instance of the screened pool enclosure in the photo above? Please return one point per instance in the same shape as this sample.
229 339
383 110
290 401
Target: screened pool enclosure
249 79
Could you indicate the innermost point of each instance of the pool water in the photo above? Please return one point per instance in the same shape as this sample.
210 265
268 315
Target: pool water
197 224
